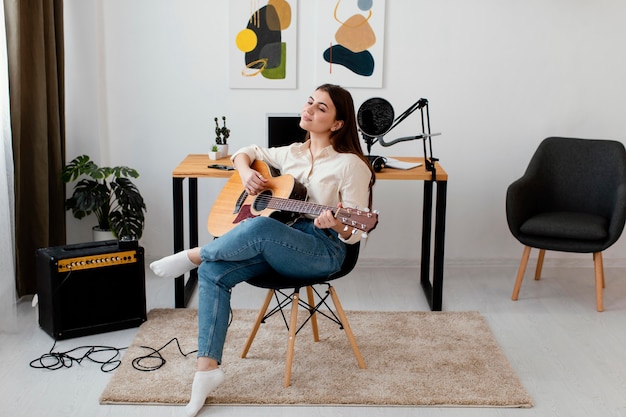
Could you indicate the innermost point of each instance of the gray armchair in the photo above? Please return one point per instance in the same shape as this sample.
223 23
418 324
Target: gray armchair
572 198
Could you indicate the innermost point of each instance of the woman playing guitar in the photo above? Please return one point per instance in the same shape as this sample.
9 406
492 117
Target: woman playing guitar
332 167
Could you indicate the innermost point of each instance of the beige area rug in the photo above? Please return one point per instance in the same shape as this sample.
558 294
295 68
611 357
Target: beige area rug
412 358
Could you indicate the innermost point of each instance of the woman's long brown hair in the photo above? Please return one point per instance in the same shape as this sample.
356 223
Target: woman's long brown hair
346 139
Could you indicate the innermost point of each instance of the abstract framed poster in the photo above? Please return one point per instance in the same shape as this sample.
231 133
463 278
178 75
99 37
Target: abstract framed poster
351 38
262 37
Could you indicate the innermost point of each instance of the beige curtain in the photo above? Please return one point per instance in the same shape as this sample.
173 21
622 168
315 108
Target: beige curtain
34 30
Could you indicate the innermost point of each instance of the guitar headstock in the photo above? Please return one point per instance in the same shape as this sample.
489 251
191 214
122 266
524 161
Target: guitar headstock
365 221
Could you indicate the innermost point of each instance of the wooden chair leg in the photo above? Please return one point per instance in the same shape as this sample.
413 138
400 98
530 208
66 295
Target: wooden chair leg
599 273
542 254
601 267
257 323
520 273
291 342
311 298
346 327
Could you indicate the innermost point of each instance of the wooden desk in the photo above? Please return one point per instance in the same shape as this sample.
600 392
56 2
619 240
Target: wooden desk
195 166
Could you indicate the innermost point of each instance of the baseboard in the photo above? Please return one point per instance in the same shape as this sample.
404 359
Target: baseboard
549 262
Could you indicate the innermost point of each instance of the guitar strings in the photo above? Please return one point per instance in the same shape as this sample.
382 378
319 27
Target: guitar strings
286 202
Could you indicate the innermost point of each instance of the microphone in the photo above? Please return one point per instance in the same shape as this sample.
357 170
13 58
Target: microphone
375 118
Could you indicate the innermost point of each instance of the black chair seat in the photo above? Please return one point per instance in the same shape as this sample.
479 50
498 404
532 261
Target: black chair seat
567 225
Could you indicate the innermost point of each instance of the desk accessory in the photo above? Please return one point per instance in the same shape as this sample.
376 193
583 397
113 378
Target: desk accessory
222 167
376 118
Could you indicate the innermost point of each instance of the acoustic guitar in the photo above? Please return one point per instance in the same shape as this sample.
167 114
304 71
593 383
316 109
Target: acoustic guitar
282 198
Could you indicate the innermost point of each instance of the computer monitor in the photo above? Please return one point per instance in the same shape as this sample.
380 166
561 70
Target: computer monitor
284 129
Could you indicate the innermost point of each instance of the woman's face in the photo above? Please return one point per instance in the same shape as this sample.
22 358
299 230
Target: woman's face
319 114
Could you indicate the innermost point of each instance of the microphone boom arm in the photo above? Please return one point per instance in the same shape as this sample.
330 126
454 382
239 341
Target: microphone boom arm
419 104
422 105
403 139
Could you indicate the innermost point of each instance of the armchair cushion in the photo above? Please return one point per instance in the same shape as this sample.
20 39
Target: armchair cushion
567 225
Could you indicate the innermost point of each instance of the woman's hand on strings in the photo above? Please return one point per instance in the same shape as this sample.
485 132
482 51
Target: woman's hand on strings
253 182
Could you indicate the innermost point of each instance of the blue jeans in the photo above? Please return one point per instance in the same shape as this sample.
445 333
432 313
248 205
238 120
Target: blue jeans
253 247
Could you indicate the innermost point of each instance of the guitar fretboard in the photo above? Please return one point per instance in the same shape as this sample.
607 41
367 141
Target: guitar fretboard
297 206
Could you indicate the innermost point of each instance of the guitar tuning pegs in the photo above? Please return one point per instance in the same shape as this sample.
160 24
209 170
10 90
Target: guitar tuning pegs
364 235
376 212
354 231
345 228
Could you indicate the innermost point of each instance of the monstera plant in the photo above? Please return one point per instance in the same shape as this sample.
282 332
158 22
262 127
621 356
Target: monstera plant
107 192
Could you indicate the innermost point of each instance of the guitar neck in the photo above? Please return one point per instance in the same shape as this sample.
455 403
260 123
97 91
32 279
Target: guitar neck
358 219
298 206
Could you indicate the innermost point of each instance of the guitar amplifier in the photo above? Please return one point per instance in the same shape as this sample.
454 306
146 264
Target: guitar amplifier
91 288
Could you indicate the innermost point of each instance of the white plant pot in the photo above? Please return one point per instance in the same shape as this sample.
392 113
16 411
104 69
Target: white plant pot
213 155
100 234
222 151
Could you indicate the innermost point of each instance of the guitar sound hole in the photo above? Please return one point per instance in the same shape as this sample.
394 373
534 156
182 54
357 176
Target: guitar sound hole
262 200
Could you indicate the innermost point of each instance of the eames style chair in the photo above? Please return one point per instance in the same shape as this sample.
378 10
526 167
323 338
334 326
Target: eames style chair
286 291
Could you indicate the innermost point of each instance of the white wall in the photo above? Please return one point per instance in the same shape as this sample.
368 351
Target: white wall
146 77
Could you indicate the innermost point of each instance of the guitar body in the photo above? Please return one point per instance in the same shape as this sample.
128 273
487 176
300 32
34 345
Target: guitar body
234 205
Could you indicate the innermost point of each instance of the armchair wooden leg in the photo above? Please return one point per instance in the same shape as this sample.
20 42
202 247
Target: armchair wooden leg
257 323
346 327
293 325
542 254
520 273
311 298
599 273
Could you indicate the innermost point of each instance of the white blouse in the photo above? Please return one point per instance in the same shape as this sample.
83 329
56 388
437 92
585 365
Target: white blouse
331 178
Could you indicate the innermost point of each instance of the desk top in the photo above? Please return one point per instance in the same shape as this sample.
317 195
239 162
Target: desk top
196 166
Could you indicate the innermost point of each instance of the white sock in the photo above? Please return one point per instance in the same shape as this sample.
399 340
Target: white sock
173 266
204 382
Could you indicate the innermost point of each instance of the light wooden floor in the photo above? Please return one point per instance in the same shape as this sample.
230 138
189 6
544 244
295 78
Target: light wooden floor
570 358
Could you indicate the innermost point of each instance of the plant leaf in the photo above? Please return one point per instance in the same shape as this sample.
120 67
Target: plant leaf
127 218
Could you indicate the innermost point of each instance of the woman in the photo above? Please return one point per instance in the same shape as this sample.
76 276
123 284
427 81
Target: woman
331 164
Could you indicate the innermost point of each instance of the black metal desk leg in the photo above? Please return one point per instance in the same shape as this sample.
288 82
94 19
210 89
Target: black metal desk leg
440 233
434 290
427 212
177 198
190 286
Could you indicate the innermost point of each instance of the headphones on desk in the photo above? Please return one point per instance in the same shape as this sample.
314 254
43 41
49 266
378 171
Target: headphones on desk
378 162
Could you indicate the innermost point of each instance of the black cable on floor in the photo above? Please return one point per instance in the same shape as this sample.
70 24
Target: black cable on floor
155 355
57 360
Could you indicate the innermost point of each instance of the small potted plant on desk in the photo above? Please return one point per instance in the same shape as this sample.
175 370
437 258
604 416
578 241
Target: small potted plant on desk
213 153
109 194
221 138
